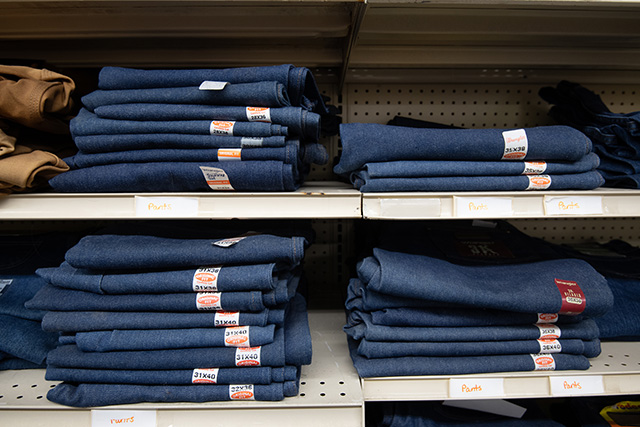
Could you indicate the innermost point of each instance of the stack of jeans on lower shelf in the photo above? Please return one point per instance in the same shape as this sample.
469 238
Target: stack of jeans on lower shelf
615 136
468 299
151 318
384 158
242 129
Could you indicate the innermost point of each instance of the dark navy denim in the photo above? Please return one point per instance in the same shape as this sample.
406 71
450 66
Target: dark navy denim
260 94
299 81
113 252
365 143
622 321
176 177
252 375
13 364
300 122
25 339
618 164
77 321
622 181
124 142
232 278
577 181
384 349
90 395
429 168
161 339
527 288
416 365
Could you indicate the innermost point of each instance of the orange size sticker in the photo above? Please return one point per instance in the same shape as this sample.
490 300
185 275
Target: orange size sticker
221 128
539 182
229 154
259 114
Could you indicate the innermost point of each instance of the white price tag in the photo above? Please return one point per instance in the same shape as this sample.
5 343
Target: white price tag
211 85
573 205
576 385
483 206
476 387
100 418
166 207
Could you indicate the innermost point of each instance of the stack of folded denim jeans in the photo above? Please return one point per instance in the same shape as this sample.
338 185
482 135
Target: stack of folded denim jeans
148 318
615 136
237 129
416 314
383 158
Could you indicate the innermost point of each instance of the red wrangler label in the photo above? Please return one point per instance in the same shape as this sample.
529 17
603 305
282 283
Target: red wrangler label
573 299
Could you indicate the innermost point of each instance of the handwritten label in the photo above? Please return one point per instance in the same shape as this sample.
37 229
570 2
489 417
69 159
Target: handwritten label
573 205
166 207
482 206
576 385
476 387
100 418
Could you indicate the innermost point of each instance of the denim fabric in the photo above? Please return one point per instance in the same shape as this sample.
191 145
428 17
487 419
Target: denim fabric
300 122
622 181
577 181
622 320
359 326
429 168
77 321
416 365
365 143
252 375
617 164
299 81
25 339
89 395
164 339
112 252
382 349
260 94
13 364
288 154
176 177
258 277
527 288
363 299
124 142
86 123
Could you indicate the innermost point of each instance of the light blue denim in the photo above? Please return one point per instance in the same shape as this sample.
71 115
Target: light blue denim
260 94
366 142
299 121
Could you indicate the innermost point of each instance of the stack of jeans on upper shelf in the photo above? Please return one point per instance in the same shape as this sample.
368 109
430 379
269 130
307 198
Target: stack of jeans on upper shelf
615 136
242 129
384 158
167 317
462 298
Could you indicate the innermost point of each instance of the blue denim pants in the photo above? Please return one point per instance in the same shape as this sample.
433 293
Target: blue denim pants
621 322
25 339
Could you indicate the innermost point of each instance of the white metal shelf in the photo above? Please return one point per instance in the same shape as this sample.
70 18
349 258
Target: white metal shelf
330 393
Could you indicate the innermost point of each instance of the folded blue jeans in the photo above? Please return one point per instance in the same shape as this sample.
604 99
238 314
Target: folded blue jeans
252 375
115 252
25 339
578 181
179 177
367 142
299 121
15 364
259 94
536 287
621 322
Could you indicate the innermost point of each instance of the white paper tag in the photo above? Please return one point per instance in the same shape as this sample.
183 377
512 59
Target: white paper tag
548 331
102 418
549 346
206 279
516 144
538 182
534 168
229 154
225 243
4 283
212 85
221 128
543 362
547 318
217 179
573 205
259 114
251 142
576 385
482 206
476 387
226 318
242 392
166 207
248 356
208 301
237 336
205 376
